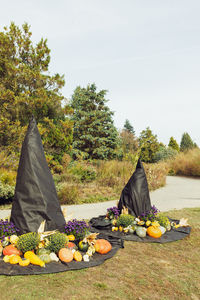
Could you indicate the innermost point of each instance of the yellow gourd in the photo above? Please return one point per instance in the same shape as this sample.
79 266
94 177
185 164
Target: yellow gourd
34 259
15 259
71 237
24 262
77 256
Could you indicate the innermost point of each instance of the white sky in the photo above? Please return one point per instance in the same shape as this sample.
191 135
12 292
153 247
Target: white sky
144 52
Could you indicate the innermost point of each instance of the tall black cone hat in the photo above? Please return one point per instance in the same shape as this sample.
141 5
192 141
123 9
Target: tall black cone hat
135 195
35 196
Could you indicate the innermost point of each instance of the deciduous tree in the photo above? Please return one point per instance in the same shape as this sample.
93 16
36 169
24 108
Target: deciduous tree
27 89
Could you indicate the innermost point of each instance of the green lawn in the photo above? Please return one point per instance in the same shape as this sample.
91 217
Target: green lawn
139 271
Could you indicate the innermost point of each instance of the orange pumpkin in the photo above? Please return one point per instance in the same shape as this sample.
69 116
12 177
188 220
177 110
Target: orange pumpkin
102 246
71 246
11 249
65 255
154 232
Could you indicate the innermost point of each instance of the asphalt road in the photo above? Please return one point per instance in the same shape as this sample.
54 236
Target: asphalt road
179 192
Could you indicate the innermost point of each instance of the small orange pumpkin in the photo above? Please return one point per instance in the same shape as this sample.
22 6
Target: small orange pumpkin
154 232
71 246
11 249
65 255
102 246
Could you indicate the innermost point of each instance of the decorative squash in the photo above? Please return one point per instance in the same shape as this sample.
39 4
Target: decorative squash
77 256
163 229
102 246
71 237
11 249
83 246
41 251
65 255
14 259
71 246
34 259
154 232
45 257
141 231
24 262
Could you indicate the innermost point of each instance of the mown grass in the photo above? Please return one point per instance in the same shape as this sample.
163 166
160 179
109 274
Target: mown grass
140 271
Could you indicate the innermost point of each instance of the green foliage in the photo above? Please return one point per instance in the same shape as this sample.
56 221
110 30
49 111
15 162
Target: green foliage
163 220
28 241
68 193
27 89
56 241
149 145
128 127
164 154
6 192
173 144
125 220
83 171
94 132
186 142
129 142
7 177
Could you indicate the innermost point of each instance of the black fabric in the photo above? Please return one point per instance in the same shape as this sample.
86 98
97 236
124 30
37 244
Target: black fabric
103 226
35 196
56 267
135 195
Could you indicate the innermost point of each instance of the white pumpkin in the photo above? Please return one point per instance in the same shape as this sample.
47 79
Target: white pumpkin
163 229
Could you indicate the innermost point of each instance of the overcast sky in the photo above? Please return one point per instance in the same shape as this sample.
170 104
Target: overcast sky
146 53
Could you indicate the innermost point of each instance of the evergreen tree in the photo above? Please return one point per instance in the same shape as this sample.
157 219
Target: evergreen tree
186 142
149 145
94 133
129 127
173 144
129 142
27 89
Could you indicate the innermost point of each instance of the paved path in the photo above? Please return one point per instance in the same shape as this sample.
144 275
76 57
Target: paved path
179 192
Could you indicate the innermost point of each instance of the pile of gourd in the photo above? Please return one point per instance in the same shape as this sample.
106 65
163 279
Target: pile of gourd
31 248
128 224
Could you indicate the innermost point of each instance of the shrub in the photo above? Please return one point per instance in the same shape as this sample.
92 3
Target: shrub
83 171
165 153
156 174
56 242
125 220
7 177
28 241
68 193
6 192
10 161
187 164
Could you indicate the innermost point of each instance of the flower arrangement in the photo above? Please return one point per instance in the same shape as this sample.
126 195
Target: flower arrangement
113 213
7 229
78 228
150 215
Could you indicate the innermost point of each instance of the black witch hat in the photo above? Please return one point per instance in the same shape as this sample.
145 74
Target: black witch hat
135 195
35 196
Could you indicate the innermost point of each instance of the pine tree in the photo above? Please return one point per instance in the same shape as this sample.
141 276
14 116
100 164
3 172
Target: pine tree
173 144
149 145
129 127
94 133
186 142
